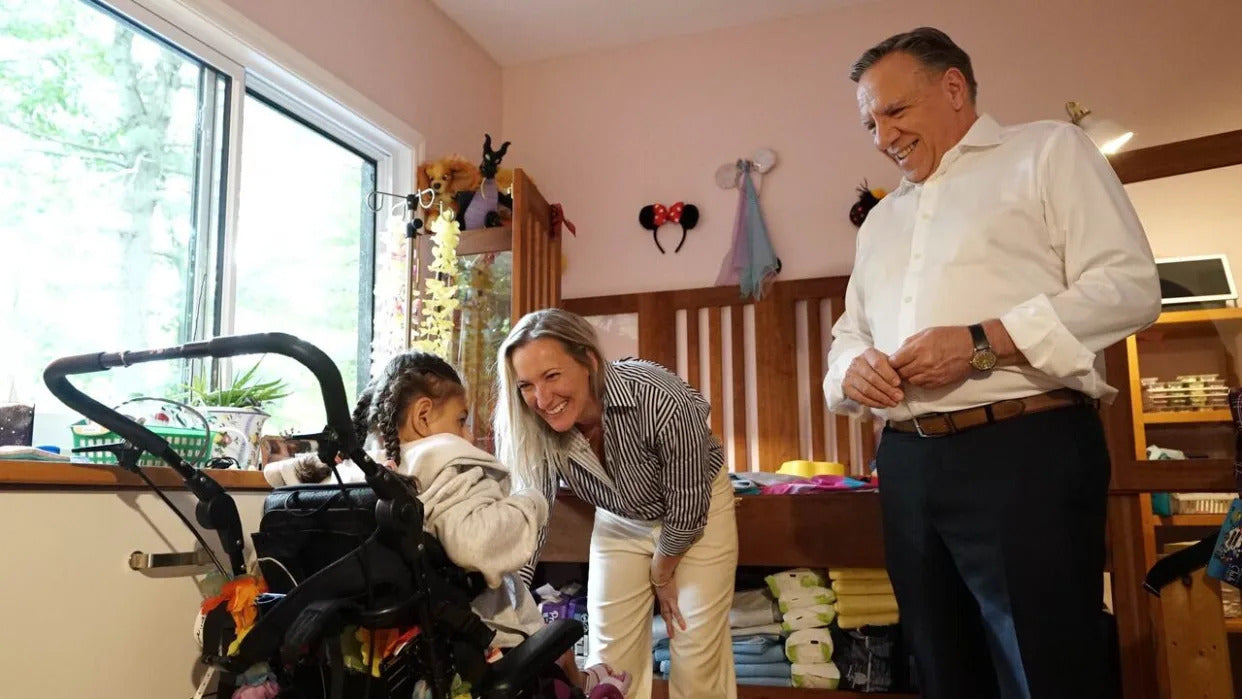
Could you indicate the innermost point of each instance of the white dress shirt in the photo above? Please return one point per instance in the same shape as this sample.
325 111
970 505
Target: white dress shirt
1028 224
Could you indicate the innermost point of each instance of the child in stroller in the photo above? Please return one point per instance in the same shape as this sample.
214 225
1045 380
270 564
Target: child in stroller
358 565
416 411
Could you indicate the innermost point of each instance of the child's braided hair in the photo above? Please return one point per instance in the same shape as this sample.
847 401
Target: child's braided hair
382 405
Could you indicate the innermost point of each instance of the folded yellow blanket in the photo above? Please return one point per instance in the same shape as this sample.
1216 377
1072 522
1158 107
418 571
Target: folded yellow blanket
862 587
865 604
858 574
857 621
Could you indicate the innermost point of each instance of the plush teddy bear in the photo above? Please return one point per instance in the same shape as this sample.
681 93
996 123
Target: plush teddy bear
447 177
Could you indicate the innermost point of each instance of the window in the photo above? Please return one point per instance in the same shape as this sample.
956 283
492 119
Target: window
156 188
110 141
305 253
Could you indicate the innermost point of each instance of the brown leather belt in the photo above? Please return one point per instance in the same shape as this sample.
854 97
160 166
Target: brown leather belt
943 424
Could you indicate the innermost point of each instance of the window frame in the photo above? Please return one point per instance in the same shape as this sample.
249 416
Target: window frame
258 63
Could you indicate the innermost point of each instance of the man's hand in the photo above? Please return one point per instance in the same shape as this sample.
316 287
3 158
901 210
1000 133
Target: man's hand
935 357
871 380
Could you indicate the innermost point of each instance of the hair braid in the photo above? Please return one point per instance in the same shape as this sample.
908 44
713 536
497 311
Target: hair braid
362 414
408 376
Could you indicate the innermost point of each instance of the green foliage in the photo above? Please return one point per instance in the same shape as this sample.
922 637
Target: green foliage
245 392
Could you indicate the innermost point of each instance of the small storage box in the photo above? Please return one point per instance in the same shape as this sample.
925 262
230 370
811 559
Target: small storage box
194 444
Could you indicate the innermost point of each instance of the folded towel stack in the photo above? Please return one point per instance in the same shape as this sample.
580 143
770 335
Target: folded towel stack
864 597
805 603
758 653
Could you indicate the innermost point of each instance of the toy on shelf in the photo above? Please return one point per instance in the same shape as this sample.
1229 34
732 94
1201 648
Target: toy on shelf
446 178
482 211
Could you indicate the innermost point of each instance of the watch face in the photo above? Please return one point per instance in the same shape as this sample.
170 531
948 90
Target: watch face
983 360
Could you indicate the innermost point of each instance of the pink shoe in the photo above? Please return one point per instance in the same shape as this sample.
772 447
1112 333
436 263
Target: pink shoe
602 682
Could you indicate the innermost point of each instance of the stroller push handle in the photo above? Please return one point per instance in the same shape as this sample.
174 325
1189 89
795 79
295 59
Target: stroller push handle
306 354
216 509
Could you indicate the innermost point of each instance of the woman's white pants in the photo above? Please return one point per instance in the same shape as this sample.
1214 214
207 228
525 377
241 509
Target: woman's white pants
620 601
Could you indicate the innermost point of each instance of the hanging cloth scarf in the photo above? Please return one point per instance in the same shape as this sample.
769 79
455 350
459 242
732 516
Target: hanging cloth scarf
751 262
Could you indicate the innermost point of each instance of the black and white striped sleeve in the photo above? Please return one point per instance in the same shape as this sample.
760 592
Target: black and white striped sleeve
684 443
548 487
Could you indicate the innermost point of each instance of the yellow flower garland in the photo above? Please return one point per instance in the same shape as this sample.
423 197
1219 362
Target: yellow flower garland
439 292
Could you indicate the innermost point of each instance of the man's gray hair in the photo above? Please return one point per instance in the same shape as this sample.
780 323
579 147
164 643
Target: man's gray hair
929 46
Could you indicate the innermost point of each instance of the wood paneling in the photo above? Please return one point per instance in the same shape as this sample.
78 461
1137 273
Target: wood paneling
1198 659
715 350
774 342
693 347
816 530
841 423
536 252
776 390
657 331
815 370
1132 605
1205 153
737 365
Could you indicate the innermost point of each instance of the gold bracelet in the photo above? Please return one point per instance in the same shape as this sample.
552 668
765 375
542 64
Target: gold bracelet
660 584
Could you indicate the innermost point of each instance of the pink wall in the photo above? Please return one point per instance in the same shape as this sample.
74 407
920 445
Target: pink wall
405 55
607 132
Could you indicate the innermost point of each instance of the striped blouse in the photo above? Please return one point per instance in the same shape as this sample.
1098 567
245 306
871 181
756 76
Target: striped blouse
660 454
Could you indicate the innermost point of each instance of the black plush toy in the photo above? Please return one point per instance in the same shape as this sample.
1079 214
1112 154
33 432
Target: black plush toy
653 216
867 199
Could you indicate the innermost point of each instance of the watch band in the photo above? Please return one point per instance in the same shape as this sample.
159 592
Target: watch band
980 338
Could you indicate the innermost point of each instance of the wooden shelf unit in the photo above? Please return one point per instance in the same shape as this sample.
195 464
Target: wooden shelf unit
1187 417
1212 520
1183 342
813 530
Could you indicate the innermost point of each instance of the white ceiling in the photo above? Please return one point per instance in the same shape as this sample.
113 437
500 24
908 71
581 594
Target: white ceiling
521 31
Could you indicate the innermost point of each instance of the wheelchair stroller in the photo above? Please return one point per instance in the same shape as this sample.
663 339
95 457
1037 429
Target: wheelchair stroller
334 558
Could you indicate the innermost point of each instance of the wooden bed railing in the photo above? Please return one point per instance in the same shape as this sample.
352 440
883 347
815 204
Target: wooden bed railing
717 342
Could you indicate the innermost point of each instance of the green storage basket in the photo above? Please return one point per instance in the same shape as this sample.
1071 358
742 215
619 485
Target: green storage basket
192 443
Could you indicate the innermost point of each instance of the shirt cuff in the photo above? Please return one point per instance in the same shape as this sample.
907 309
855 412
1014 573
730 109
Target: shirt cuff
1044 340
674 542
833 393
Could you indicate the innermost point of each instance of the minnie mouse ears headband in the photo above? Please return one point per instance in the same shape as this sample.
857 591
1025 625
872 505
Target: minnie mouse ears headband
653 216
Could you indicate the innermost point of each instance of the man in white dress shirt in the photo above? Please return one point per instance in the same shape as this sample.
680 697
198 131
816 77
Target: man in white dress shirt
984 289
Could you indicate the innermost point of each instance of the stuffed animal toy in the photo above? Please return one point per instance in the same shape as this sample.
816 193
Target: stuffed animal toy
482 210
868 197
447 177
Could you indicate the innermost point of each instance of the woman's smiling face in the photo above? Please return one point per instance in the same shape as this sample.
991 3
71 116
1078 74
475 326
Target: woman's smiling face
554 385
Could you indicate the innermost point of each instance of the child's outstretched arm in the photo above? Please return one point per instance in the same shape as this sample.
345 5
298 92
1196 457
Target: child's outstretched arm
481 526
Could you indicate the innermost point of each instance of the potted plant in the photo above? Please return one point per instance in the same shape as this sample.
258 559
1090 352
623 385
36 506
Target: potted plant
237 415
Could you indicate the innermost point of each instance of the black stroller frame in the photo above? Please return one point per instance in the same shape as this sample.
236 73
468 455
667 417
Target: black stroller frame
398 576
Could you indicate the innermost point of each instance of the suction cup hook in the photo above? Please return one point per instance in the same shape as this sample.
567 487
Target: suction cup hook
764 159
727 175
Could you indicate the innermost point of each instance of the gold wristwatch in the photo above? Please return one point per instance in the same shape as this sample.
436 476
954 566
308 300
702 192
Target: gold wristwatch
983 358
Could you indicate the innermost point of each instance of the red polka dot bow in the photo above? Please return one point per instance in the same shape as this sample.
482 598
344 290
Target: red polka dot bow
662 215
652 216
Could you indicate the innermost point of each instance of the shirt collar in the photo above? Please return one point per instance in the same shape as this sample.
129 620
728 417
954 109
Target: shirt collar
984 133
617 391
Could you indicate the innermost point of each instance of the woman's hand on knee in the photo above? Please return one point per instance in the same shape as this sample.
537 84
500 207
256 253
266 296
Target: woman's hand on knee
664 584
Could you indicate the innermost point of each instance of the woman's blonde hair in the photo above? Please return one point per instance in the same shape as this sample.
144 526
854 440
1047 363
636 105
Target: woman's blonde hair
524 442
